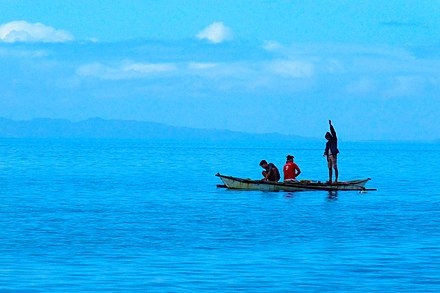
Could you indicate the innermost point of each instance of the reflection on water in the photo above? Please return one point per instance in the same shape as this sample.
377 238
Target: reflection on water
332 195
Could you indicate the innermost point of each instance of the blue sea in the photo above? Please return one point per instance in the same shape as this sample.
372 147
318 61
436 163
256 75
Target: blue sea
139 215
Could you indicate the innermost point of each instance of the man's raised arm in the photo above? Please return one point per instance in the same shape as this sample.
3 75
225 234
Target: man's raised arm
332 129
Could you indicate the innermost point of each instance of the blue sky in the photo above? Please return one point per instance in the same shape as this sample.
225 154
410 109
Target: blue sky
373 67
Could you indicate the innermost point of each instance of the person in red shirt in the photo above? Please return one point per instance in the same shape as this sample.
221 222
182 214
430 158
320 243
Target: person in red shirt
291 170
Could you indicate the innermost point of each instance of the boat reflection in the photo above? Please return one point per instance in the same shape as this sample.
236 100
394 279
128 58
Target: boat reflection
332 195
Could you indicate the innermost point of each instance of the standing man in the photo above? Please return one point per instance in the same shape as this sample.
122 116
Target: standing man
331 151
270 172
291 170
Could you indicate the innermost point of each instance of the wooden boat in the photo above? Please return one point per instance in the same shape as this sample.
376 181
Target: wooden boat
304 185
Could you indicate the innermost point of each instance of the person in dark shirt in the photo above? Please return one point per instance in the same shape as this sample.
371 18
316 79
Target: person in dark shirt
331 152
270 172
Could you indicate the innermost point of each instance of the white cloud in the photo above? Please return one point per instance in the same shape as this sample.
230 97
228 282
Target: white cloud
127 70
23 31
215 33
226 71
334 66
362 86
93 40
22 53
272 46
406 86
201 65
291 68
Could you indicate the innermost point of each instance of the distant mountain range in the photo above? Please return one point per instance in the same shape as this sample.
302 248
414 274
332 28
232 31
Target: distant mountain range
102 128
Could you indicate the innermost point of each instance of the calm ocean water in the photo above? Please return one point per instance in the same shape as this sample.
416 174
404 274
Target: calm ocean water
134 215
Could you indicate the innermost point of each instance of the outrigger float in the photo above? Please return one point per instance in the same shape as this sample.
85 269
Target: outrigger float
303 185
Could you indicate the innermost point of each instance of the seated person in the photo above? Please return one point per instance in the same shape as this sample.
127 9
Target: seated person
291 170
270 172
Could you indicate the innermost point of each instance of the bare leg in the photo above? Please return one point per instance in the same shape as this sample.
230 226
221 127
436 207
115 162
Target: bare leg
336 174
330 175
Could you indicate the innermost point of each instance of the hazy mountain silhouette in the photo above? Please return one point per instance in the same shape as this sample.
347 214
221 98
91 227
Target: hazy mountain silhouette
102 128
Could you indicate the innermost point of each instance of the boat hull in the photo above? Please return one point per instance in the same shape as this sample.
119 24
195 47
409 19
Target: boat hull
248 184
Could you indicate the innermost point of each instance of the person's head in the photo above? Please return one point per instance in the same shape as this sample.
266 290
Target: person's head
328 135
263 164
289 158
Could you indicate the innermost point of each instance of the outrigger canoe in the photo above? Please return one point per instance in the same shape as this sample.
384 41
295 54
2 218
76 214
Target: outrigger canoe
304 185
